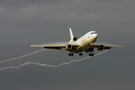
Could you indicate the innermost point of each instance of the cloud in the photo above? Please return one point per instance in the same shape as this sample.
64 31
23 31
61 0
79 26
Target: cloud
66 11
43 21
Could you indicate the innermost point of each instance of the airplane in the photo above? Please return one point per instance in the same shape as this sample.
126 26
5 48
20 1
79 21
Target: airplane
85 43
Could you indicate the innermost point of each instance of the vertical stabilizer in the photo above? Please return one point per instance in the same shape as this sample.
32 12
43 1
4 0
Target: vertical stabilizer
71 34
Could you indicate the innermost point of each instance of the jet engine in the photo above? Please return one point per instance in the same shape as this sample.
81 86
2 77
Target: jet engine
100 47
75 39
69 46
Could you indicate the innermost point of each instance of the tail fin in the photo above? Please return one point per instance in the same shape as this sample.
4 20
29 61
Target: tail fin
71 34
72 38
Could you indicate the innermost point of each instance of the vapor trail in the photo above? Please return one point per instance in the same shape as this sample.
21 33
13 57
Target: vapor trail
22 56
47 65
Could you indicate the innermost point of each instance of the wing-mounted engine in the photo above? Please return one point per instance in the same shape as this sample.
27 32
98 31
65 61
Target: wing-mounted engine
100 47
71 47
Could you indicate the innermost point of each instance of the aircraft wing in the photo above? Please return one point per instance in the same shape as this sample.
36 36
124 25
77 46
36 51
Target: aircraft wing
106 46
56 47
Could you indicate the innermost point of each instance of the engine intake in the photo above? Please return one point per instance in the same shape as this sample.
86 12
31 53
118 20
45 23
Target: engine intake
69 46
100 48
75 39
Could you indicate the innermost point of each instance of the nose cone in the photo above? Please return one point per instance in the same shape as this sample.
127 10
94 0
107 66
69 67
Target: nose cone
95 37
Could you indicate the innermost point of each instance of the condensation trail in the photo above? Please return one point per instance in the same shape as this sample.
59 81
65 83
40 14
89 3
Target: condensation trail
22 56
47 65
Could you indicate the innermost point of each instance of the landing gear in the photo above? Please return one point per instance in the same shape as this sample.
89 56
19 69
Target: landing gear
91 54
80 54
70 54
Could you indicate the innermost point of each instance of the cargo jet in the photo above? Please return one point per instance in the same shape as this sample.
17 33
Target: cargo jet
85 43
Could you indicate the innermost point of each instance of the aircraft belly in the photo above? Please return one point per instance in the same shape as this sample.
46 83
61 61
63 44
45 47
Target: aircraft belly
83 47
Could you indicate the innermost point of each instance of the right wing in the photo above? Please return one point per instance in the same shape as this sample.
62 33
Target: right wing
56 47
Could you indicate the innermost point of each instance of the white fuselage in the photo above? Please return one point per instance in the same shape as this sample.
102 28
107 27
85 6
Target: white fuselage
85 42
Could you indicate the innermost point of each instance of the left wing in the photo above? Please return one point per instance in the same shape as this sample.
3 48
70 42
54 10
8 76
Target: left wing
56 47
105 46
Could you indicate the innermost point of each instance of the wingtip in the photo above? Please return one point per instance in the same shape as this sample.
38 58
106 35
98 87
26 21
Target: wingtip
120 46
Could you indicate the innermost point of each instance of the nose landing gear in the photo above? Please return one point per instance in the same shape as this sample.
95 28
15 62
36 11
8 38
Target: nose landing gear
91 54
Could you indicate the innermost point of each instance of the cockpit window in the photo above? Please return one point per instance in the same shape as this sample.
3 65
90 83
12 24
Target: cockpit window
93 33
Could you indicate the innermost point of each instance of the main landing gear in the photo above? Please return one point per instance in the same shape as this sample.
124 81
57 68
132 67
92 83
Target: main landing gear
91 54
80 54
70 54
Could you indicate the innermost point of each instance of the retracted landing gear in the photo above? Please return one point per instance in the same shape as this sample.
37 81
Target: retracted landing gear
70 54
91 54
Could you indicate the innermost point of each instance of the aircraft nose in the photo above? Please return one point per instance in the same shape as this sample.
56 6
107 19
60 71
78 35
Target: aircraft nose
96 36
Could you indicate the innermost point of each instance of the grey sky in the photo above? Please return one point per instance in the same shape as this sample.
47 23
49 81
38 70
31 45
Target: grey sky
24 22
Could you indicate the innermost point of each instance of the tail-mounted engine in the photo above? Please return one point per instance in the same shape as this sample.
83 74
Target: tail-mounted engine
75 39
100 47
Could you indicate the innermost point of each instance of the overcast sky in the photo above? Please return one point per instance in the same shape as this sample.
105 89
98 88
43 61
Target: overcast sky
25 22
